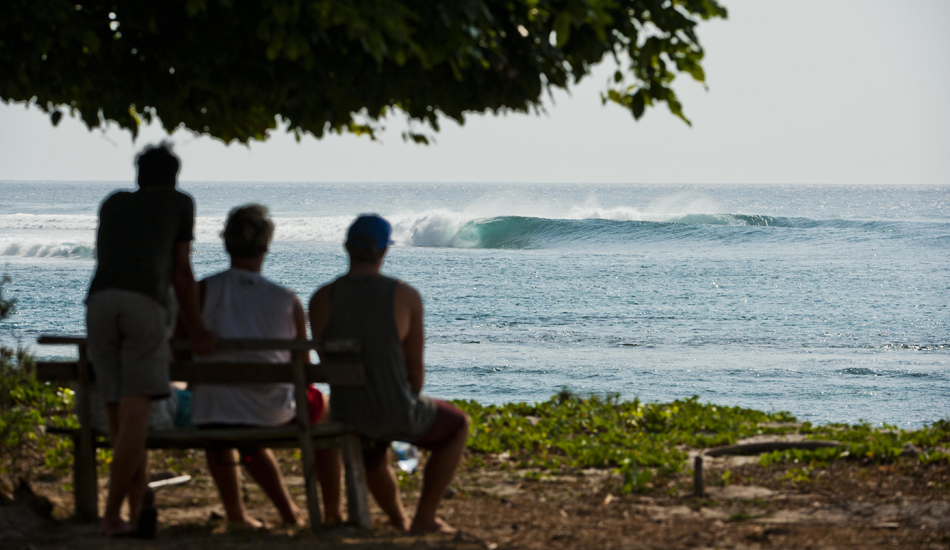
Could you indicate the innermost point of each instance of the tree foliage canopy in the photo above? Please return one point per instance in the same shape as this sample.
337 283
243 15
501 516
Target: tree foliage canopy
227 68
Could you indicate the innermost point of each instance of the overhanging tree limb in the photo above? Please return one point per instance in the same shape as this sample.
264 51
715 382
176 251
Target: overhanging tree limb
227 68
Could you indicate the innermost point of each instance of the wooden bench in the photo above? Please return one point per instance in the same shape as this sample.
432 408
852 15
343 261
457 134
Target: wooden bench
341 366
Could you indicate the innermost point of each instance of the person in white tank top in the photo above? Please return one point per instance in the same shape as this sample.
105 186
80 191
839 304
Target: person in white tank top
242 303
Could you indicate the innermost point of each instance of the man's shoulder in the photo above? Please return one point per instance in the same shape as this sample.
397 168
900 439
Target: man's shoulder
170 195
403 286
278 289
322 295
406 293
325 288
116 197
248 277
177 196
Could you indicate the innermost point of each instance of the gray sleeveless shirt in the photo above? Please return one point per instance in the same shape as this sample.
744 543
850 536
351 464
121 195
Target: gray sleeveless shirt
385 407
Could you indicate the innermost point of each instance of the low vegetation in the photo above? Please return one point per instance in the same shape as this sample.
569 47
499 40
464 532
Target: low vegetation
648 442
27 406
645 443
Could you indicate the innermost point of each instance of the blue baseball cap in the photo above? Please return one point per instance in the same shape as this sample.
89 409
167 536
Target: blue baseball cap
369 229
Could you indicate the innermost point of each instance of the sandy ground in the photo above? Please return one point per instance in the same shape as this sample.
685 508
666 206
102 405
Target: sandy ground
849 505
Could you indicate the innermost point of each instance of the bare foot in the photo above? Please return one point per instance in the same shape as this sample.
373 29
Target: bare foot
400 523
247 523
114 528
436 526
332 521
297 520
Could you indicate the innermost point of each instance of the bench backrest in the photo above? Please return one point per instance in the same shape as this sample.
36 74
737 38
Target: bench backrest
340 363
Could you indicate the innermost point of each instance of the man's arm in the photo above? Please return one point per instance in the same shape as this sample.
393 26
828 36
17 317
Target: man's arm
300 322
409 305
319 310
183 279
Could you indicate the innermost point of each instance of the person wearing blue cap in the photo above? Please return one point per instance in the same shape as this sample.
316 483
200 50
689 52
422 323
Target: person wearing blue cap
386 316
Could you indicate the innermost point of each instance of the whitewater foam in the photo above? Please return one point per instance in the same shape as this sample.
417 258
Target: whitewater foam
63 235
435 228
41 236
45 250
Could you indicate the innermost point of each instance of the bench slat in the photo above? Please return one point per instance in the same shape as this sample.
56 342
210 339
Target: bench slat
55 339
335 373
231 344
57 371
280 437
338 374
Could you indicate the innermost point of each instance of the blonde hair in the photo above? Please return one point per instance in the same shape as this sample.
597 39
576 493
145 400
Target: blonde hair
248 231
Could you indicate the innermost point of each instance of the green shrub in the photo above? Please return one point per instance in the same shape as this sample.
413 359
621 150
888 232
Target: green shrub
639 440
26 407
645 442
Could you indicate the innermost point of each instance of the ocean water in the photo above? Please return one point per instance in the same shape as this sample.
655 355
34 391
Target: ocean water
830 302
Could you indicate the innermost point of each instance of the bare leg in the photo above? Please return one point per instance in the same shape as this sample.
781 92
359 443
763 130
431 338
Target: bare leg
264 469
137 489
329 465
128 424
382 484
438 474
223 467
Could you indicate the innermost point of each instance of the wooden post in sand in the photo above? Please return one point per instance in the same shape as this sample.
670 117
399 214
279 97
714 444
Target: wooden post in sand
698 476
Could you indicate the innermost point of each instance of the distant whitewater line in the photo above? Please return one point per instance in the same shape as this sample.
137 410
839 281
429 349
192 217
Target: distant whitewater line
46 250
65 235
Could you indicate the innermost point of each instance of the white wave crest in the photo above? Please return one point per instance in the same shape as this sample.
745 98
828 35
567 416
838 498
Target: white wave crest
665 209
435 228
620 213
69 235
327 229
33 249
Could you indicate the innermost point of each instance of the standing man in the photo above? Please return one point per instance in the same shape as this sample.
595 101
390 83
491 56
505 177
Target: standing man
385 315
143 248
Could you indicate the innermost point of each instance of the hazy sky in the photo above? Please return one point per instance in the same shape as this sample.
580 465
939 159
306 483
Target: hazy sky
800 91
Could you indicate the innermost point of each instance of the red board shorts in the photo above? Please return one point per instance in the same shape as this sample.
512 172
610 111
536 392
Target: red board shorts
449 419
316 402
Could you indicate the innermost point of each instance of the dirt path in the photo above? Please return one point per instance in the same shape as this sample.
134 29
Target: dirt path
848 505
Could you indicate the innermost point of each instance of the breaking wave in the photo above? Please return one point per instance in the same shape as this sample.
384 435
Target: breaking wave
46 250
35 235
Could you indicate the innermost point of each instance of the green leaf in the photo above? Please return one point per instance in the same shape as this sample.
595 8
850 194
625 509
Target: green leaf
637 105
562 28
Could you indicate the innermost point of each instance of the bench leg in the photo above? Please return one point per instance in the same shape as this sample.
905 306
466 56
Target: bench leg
357 491
310 480
85 478
306 442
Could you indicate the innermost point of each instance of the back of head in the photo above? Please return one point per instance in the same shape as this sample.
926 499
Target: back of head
368 238
157 166
248 231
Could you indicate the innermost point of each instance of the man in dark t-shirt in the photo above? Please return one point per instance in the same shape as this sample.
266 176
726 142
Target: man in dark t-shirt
136 239
143 248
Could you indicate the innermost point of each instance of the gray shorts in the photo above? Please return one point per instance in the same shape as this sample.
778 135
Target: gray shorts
127 342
